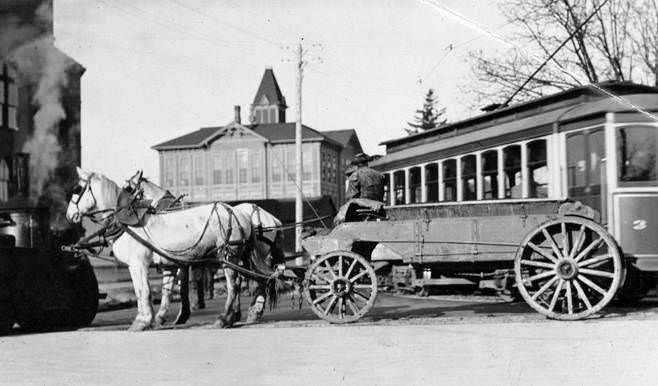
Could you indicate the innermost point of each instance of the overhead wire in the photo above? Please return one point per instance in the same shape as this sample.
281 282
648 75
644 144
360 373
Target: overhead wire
507 42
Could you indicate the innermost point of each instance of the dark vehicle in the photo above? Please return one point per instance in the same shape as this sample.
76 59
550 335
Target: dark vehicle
41 287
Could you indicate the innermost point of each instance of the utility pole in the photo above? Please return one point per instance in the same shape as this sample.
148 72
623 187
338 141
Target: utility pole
299 208
300 62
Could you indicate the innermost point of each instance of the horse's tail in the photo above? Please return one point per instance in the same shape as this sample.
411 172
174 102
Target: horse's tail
273 287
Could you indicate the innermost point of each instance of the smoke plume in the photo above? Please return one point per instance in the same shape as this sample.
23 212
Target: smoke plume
31 47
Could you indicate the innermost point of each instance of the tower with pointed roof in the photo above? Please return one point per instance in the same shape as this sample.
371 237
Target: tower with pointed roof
269 105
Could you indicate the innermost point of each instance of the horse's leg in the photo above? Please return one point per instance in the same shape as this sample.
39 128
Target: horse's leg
225 320
168 282
257 304
237 313
211 282
184 312
198 280
139 274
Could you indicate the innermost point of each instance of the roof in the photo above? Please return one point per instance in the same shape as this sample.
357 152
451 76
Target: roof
272 132
343 136
270 88
443 144
569 97
189 140
285 132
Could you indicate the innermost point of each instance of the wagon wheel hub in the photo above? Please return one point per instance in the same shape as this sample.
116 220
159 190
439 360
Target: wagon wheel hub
341 286
566 269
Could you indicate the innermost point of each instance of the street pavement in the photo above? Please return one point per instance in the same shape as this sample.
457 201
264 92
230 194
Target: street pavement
446 340
616 352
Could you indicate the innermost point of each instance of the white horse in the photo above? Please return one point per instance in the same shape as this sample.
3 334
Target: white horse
265 250
188 235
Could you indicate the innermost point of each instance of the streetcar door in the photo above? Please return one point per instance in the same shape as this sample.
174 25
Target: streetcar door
586 168
636 196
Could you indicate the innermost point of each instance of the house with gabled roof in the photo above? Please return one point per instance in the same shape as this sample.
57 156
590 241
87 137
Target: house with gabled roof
256 161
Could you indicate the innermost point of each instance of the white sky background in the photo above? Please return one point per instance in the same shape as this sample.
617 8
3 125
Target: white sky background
157 69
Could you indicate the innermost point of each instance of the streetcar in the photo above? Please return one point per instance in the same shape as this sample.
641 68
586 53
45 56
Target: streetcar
559 194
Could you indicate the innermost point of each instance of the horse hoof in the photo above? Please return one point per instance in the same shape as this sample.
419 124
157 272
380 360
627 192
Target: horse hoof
221 323
255 314
160 322
139 325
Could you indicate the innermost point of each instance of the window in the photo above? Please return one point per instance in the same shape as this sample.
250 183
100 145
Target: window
217 168
199 169
450 180
170 171
278 163
414 185
469 178
184 170
309 162
8 96
432 182
490 175
4 181
576 161
228 165
243 163
636 149
255 163
538 169
398 181
513 178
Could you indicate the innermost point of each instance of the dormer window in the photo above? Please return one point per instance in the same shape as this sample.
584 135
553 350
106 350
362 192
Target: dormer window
8 97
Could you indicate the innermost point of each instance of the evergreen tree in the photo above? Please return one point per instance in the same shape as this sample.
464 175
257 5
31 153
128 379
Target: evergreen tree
428 117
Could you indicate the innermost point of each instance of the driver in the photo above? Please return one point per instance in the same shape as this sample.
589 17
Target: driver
365 182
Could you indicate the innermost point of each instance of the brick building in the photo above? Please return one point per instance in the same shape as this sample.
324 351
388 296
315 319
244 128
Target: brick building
256 161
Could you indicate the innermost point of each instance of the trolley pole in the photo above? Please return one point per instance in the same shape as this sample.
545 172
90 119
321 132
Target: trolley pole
299 209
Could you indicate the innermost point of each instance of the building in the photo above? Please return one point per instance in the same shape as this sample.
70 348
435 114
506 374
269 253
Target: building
256 161
39 110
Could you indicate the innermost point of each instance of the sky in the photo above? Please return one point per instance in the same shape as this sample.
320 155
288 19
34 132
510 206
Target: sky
158 69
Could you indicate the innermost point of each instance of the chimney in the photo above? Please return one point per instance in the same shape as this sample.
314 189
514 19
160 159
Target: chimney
236 110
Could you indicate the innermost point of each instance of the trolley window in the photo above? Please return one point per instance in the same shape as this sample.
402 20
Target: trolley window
636 155
537 169
513 180
398 181
469 178
414 185
450 180
490 174
432 182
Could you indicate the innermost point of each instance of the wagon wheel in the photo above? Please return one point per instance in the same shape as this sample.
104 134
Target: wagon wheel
341 287
568 268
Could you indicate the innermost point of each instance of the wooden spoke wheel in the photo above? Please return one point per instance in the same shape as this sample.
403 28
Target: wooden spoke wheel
568 268
341 287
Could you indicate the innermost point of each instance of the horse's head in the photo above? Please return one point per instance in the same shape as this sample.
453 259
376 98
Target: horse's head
134 183
140 185
92 192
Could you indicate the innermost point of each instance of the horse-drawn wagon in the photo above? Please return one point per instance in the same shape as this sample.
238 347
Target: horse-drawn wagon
566 266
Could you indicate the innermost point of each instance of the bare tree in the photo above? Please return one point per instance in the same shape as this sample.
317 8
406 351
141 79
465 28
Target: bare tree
618 43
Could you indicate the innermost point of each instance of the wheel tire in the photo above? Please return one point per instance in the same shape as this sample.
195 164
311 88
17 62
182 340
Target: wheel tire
340 287
568 268
635 287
